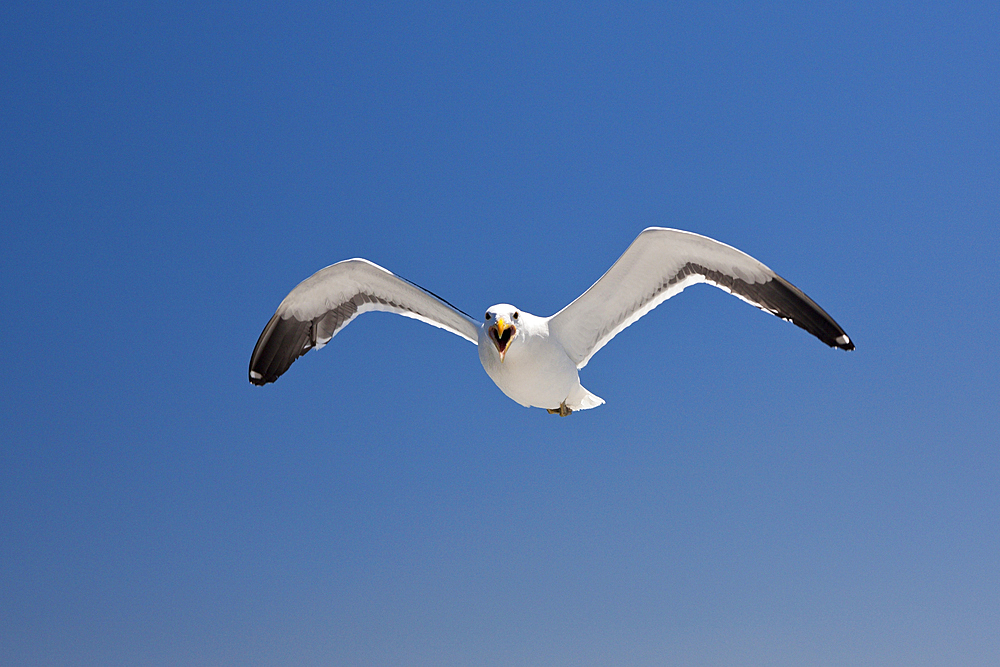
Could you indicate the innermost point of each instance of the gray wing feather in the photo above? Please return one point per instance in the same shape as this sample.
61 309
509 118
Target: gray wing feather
661 263
326 302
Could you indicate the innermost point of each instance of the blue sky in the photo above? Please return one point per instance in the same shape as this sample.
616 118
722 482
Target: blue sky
746 496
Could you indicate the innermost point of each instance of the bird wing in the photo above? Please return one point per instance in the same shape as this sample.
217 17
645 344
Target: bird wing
661 263
327 301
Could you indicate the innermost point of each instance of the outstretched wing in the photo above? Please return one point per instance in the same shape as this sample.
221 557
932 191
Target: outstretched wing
327 301
661 263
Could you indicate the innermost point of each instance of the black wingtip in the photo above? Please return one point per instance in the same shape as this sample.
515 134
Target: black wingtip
281 342
790 303
258 379
843 342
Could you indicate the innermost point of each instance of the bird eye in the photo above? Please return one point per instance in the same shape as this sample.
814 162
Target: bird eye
516 314
488 316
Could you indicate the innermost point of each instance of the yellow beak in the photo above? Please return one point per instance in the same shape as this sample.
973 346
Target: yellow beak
498 338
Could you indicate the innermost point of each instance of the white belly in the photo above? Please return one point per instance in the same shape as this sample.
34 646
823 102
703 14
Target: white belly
535 372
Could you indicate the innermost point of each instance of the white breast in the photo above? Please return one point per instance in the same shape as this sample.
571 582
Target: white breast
536 371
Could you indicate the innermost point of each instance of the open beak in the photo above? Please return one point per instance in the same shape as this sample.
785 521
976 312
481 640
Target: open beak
502 334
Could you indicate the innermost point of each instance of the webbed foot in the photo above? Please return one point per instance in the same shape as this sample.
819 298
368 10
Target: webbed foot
562 410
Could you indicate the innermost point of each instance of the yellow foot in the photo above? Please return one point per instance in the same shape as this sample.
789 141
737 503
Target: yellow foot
562 410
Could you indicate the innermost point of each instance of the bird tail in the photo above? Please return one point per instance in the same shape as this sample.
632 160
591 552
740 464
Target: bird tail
584 400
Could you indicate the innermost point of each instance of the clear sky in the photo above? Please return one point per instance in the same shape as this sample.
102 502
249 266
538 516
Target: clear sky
170 170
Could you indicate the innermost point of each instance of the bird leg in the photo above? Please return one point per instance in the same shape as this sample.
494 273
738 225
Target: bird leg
562 410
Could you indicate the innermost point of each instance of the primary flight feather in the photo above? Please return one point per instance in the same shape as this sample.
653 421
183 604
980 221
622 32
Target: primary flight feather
536 360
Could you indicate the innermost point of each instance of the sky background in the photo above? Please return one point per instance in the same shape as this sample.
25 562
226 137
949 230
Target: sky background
170 170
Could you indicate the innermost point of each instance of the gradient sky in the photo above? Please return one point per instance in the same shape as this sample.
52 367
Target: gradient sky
170 170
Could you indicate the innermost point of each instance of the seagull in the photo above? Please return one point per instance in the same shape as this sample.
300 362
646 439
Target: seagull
536 360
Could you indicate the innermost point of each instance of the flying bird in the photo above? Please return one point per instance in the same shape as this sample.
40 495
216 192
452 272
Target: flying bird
536 360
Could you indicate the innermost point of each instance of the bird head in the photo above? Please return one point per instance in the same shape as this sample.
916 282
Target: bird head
501 326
